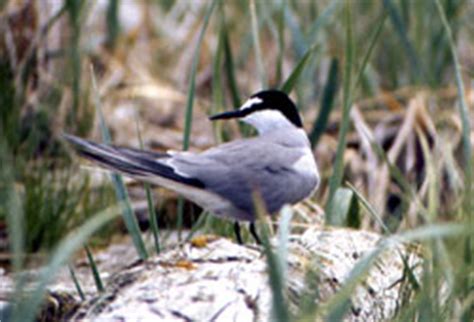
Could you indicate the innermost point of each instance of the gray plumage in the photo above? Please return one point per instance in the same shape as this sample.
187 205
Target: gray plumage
278 164
231 171
236 169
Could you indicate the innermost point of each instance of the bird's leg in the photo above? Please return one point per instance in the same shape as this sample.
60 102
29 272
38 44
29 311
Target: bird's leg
237 232
254 233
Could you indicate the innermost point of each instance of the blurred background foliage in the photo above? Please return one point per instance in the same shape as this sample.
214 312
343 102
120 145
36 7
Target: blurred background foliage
405 100
142 52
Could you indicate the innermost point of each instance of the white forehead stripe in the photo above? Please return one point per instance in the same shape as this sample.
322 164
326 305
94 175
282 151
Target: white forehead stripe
250 102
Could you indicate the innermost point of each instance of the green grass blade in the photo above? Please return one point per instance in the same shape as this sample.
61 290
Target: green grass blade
230 68
432 231
336 178
368 54
74 9
327 103
121 192
407 269
298 39
284 231
369 208
29 305
230 76
290 83
149 197
11 207
95 271
192 82
346 209
339 304
197 225
256 45
152 215
323 19
464 113
129 217
76 283
280 310
281 39
401 29
113 23
190 103
216 85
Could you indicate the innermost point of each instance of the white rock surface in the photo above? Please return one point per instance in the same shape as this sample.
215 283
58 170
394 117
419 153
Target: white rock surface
222 281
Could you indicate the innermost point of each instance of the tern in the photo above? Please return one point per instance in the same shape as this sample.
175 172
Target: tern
277 164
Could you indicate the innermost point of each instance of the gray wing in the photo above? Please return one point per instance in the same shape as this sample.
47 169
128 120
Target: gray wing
235 170
133 162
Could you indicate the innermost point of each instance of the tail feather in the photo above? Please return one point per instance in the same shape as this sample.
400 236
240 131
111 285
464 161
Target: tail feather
132 162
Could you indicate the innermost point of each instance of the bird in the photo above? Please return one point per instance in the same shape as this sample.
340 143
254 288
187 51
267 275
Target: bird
277 163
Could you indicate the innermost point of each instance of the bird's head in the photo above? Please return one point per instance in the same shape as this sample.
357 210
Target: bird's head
266 111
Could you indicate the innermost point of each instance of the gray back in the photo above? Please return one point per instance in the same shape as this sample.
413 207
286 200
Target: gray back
263 164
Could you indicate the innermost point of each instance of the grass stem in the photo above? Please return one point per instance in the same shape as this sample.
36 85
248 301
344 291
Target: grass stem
338 169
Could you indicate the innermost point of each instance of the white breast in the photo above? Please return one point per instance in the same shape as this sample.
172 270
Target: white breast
306 165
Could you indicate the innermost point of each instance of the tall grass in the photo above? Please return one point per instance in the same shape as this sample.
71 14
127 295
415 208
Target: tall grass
338 306
149 197
77 284
468 203
463 111
336 177
190 102
12 207
256 45
74 9
327 103
113 25
290 83
28 304
400 28
276 262
120 190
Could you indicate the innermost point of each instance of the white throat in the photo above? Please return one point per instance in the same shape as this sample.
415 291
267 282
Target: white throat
268 120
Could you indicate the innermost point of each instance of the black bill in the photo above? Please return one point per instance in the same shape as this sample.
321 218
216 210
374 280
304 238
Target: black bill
228 115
